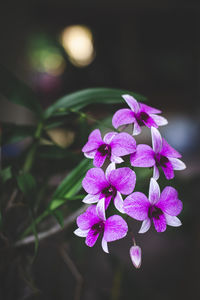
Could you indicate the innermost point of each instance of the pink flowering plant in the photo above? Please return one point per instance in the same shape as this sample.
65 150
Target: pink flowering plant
109 183
50 156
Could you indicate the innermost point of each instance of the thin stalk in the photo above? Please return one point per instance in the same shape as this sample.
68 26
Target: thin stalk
85 116
32 151
30 157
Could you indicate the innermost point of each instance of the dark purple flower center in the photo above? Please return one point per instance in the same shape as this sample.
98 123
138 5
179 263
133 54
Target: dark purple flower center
142 118
105 149
109 191
154 212
98 227
161 160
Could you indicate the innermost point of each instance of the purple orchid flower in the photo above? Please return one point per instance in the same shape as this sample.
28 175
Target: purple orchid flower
113 146
93 222
161 209
109 185
162 155
139 114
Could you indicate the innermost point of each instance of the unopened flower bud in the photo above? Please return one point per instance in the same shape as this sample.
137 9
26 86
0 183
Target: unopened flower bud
136 256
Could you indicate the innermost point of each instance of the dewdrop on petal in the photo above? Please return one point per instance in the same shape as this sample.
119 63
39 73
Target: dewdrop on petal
136 256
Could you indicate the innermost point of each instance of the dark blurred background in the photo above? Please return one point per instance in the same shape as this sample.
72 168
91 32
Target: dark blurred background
149 47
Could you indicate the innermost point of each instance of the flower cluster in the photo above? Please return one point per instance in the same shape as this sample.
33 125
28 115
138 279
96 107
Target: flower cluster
104 186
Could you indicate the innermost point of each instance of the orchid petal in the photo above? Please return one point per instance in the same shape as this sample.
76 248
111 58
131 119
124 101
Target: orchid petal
91 238
160 223
123 179
119 203
107 201
109 136
154 191
110 168
159 120
116 160
99 159
169 151
94 181
136 206
143 157
91 199
88 218
156 140
177 164
148 109
172 221
104 245
169 202
136 128
80 232
90 154
156 173
145 226
94 141
132 103
115 228
136 256
150 122
123 116
101 209
123 144
168 170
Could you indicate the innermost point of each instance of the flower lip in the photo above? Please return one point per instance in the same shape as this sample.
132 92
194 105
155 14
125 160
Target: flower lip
161 160
141 118
154 212
104 149
109 191
98 227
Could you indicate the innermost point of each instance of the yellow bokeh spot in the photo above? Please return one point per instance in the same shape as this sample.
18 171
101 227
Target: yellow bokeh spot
77 41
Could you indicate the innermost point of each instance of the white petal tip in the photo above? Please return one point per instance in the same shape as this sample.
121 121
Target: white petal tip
104 245
183 166
81 233
125 95
100 209
164 123
136 133
145 226
173 221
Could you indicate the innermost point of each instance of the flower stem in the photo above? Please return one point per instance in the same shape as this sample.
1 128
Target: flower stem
85 116
32 151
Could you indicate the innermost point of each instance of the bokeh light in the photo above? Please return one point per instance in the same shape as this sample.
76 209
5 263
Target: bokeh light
77 41
45 57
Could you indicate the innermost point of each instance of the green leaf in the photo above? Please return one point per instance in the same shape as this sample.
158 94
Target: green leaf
26 183
18 92
72 182
55 203
89 96
55 152
59 217
6 174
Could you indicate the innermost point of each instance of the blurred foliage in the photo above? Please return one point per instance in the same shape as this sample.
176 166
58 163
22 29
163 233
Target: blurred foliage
17 92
